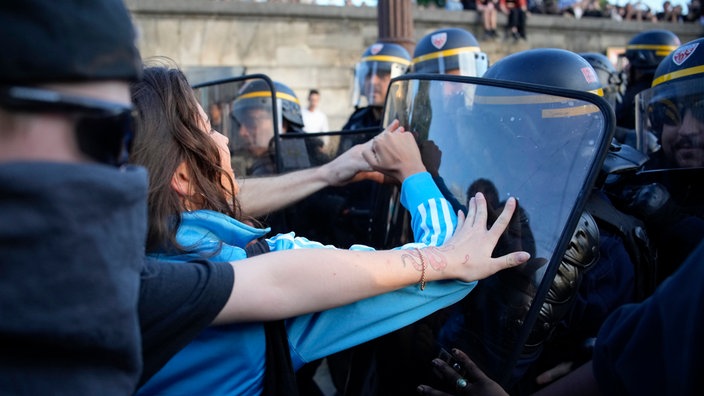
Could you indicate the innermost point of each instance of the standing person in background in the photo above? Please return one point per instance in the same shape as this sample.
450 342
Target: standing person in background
516 12
314 119
694 12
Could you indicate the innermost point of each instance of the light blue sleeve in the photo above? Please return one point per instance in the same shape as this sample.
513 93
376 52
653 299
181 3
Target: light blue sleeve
432 218
321 334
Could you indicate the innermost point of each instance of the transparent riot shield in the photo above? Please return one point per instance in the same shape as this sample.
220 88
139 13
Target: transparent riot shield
544 147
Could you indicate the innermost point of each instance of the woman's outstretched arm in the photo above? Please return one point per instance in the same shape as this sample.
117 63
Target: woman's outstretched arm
289 283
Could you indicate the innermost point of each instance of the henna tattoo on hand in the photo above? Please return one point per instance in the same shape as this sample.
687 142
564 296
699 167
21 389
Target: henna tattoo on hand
436 258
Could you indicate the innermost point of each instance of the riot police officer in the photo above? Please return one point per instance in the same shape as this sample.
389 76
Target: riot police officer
673 110
643 54
451 51
515 122
380 63
669 198
254 121
362 203
613 82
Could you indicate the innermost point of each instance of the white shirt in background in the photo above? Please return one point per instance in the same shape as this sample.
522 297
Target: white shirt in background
314 121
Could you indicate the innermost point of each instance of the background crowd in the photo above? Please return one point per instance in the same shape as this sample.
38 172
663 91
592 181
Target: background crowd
628 11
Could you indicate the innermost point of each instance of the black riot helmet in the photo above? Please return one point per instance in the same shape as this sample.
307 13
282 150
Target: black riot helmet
530 112
450 51
258 93
379 64
548 66
673 110
254 124
612 81
646 49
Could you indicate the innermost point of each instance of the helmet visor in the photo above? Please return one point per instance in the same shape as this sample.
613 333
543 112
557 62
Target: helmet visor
465 61
371 81
670 124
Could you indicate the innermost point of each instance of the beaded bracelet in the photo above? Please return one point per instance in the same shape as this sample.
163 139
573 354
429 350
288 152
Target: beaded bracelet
422 273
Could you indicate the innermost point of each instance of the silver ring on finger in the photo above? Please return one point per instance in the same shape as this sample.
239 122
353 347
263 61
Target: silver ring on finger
461 383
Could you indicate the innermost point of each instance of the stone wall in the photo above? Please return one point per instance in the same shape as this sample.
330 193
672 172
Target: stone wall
308 46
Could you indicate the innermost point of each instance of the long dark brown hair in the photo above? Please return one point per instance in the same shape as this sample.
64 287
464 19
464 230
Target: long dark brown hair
168 132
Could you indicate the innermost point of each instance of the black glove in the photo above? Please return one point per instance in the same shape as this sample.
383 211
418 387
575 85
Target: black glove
654 205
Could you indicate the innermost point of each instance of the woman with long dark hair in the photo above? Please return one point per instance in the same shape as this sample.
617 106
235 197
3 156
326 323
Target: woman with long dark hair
193 214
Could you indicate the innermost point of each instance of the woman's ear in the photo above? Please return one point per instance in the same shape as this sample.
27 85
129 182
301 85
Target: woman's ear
181 181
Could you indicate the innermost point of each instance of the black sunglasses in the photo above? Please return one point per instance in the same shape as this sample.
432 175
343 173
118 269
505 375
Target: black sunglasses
671 112
104 129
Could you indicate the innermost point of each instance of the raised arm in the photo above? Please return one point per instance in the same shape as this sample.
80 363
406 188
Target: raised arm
261 195
284 284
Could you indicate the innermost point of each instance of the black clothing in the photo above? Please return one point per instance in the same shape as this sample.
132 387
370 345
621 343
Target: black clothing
177 300
72 240
517 19
362 118
626 109
654 348
279 378
64 41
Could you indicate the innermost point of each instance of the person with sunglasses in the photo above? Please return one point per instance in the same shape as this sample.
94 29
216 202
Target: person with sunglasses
668 194
72 222
673 109
682 134
82 309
